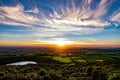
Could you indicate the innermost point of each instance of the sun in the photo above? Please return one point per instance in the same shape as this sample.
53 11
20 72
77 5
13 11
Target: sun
62 43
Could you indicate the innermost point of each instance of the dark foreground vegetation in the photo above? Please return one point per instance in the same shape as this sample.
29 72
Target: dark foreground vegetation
60 64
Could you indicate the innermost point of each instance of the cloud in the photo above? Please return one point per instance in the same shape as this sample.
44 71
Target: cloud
16 16
116 16
101 9
35 10
62 20
76 16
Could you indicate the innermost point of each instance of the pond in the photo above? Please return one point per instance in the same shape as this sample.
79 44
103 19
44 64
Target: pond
22 63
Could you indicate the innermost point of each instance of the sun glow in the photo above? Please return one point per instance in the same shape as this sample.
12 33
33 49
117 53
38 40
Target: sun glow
62 43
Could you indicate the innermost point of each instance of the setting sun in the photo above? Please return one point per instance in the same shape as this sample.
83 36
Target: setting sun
62 43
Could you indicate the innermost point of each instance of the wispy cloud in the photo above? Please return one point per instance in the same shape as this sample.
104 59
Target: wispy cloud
35 10
116 16
101 9
16 16
62 20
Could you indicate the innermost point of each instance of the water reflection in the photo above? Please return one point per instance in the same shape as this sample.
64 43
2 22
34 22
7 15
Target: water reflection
22 63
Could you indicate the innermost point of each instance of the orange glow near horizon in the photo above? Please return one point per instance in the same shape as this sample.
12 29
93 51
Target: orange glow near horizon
60 44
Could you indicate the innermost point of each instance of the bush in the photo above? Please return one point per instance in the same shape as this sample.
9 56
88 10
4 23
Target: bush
43 72
114 77
47 77
55 76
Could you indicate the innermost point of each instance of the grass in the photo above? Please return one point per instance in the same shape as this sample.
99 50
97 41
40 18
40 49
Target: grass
79 60
94 58
62 59
91 58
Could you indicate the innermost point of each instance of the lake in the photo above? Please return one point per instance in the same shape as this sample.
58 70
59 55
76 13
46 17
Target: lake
22 63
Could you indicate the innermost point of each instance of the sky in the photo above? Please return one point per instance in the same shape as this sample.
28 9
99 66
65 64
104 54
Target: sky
40 22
